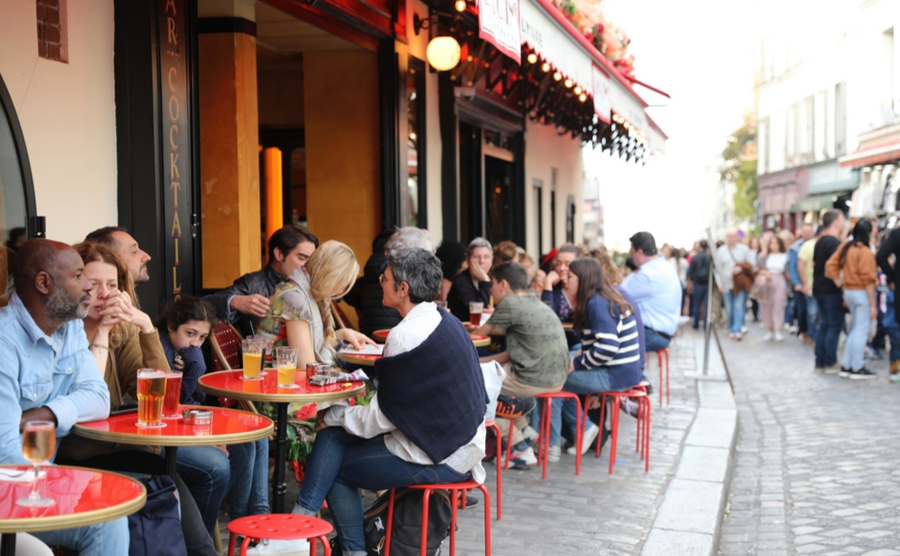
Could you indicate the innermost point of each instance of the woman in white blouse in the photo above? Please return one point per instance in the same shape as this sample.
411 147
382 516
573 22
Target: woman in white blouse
772 266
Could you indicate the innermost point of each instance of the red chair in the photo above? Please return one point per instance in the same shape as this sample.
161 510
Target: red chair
454 489
283 527
225 341
663 384
643 421
499 461
544 438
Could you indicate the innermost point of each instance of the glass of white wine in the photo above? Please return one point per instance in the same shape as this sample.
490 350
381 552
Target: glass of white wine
38 445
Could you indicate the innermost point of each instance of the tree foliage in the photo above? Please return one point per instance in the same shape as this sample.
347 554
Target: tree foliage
739 167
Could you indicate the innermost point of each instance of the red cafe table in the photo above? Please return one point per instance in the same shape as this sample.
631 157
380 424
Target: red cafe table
82 497
477 339
229 426
230 384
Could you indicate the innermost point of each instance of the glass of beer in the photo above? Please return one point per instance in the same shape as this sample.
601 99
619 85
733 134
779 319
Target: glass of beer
253 350
287 366
441 304
38 445
173 395
151 391
475 310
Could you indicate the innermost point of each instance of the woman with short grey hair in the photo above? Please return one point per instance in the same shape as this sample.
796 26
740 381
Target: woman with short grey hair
417 268
475 283
409 237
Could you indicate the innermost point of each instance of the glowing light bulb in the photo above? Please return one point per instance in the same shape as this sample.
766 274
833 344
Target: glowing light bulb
582 97
568 83
532 58
443 53
577 90
557 76
460 5
545 67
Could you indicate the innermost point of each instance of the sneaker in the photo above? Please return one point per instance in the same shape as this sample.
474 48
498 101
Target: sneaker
739 337
744 328
526 456
732 336
630 407
819 369
768 336
862 374
471 502
845 372
518 464
832 369
530 435
895 369
553 454
586 439
284 548
872 354
779 338
895 377
509 407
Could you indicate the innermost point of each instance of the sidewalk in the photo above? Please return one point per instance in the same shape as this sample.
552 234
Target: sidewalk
596 513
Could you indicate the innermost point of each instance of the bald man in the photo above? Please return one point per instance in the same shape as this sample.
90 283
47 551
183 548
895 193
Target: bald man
47 372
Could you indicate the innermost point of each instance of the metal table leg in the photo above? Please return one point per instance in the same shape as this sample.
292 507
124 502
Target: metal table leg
171 454
279 487
8 544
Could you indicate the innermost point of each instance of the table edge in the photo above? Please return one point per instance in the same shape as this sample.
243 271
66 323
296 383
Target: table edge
277 398
42 524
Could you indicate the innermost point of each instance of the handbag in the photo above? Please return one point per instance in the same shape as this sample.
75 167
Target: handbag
760 289
155 530
743 281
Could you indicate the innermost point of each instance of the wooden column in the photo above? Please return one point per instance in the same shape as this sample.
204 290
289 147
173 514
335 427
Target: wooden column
229 146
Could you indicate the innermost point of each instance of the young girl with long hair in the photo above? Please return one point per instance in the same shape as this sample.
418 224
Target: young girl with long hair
853 266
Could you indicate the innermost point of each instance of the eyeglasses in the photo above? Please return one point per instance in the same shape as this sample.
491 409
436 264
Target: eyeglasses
382 279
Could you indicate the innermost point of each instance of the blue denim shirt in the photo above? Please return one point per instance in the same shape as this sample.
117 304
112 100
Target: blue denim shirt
793 257
36 370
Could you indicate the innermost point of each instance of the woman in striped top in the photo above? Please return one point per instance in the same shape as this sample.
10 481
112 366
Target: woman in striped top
610 358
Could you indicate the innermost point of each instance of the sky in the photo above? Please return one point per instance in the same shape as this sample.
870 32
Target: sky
703 53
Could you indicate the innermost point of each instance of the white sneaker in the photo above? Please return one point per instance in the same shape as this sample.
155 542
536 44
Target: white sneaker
779 338
284 548
526 455
586 439
744 329
553 453
768 336
529 433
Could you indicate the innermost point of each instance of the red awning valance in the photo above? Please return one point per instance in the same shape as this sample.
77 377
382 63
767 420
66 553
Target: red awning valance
888 151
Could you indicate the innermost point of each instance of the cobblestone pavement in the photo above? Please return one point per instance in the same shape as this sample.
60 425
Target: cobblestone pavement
817 456
594 513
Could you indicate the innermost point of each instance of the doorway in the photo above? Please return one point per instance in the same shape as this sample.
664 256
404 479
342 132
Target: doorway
498 176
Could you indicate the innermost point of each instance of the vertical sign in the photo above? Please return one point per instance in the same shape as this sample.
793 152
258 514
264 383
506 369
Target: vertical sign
176 149
601 93
498 23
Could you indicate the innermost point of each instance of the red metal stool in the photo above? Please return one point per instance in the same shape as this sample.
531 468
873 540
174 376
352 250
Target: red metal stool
499 461
454 489
663 384
283 527
643 422
544 438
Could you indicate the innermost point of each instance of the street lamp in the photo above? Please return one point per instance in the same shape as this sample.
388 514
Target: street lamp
444 52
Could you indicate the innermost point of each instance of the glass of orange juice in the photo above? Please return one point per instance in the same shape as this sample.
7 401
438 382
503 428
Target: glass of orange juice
287 366
253 350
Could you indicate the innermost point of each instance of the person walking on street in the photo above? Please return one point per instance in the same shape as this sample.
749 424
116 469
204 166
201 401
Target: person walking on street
828 294
805 271
771 268
853 265
732 259
806 233
698 276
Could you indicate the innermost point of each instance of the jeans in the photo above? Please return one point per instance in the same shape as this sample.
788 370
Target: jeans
207 472
893 334
340 464
579 382
698 298
110 538
652 342
735 305
855 348
831 308
812 317
249 492
789 310
800 311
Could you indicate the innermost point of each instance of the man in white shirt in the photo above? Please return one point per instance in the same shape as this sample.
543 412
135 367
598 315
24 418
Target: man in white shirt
395 440
656 289
728 258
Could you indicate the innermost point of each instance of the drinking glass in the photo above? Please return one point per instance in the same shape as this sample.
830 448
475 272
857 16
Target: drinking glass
287 366
173 395
441 304
252 349
475 310
151 391
38 445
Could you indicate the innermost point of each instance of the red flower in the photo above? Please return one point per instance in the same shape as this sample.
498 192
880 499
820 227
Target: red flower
298 472
306 412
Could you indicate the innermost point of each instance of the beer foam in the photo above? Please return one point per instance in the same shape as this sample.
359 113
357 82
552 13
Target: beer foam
151 373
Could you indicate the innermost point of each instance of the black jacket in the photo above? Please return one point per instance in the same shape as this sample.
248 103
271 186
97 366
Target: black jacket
366 297
262 282
891 246
463 291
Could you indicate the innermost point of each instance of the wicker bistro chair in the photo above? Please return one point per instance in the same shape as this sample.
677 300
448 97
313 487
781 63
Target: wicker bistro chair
225 342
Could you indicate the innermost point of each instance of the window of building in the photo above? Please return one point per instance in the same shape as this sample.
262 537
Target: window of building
553 172
539 213
53 36
840 119
415 89
16 192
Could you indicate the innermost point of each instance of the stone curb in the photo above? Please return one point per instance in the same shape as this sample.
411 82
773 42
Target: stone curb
689 519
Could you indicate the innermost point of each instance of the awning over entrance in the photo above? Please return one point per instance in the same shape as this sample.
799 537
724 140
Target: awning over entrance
815 203
888 151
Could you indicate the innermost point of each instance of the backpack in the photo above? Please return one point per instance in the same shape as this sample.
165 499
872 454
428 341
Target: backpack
155 529
406 534
701 274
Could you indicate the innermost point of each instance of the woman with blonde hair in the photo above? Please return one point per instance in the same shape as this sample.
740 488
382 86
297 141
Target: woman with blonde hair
609 266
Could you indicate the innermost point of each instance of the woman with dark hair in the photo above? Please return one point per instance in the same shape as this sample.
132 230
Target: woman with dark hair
611 356
555 294
452 255
853 266
770 281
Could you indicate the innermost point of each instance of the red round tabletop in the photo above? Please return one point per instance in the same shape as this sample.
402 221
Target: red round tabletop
83 497
381 336
230 384
229 426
